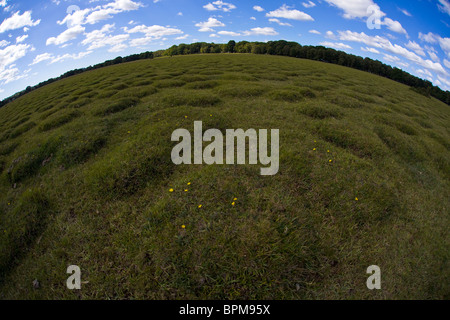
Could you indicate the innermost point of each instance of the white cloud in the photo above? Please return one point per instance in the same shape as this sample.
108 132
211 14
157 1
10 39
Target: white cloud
447 63
279 22
385 44
208 26
182 37
8 56
368 49
444 6
4 43
433 56
267 31
3 3
308 4
390 58
99 13
11 74
414 46
355 8
394 26
258 8
252 18
180 14
66 35
151 33
429 37
74 56
365 8
229 33
405 12
285 12
42 57
101 38
219 6
314 31
21 38
445 82
12 53
17 21
260 32
75 18
330 35
118 47
427 74
444 43
336 45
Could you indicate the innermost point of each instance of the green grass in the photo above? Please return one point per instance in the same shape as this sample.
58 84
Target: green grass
85 174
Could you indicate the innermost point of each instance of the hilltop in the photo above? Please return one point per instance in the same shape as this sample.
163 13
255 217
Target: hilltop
86 178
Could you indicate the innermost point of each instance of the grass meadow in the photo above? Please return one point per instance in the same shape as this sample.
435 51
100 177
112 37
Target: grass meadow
86 175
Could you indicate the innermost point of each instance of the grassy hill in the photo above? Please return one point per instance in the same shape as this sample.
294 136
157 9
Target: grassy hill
86 175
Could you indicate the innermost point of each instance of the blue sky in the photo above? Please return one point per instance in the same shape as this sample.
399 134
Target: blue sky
43 39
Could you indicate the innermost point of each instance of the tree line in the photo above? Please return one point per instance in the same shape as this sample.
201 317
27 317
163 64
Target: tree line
318 53
281 48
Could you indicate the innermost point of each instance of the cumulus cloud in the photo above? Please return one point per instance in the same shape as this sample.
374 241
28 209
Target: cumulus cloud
447 63
444 6
444 43
279 22
372 50
433 56
405 12
330 35
8 56
414 46
258 8
285 12
219 6
182 37
390 58
364 8
308 4
267 31
42 57
21 38
67 56
99 13
336 45
355 8
151 33
17 21
394 26
384 44
207 26
314 31
229 33
102 38
66 35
